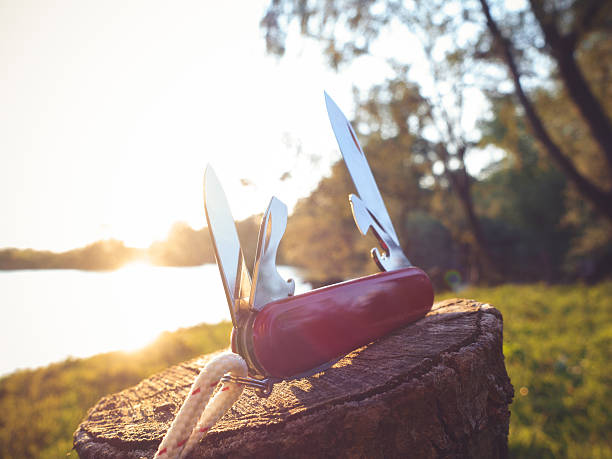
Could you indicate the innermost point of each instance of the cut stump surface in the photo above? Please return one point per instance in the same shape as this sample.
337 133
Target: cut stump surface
435 388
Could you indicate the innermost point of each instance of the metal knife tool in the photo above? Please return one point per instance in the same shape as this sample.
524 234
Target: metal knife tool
281 335
369 210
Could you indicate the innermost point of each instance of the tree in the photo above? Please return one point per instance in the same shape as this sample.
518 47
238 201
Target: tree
184 246
543 230
322 237
435 113
397 108
581 20
467 33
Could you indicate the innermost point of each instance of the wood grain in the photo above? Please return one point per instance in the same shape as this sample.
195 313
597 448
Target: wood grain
435 388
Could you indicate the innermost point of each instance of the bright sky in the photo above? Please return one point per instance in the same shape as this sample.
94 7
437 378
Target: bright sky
112 109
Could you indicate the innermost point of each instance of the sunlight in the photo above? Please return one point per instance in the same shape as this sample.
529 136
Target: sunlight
153 299
88 312
138 265
160 116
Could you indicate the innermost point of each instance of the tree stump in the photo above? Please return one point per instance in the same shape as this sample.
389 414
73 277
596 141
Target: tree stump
435 388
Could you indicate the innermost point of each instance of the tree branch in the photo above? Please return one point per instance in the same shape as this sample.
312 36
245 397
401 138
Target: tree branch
562 50
602 200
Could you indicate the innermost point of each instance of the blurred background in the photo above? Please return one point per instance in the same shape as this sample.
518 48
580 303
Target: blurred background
487 125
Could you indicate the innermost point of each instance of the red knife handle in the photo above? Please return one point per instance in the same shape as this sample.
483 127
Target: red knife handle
300 333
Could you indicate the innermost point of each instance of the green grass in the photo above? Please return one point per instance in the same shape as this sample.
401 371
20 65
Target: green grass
557 343
558 349
40 409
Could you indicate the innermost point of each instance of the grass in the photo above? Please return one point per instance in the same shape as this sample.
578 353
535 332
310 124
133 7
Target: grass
558 349
40 409
557 345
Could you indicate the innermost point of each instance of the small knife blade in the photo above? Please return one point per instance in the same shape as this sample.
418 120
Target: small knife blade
369 210
230 259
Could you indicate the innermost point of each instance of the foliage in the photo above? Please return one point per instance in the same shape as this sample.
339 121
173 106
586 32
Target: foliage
40 409
542 66
321 235
100 255
558 348
184 246
471 48
401 122
522 213
520 203
577 239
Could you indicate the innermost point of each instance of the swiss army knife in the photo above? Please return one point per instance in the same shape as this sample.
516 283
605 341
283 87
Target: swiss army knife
283 336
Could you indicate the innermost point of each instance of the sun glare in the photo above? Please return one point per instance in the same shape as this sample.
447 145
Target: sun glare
153 299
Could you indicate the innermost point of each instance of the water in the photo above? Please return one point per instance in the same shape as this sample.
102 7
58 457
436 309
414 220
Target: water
48 315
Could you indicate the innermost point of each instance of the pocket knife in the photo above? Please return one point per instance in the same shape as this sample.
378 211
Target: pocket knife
283 336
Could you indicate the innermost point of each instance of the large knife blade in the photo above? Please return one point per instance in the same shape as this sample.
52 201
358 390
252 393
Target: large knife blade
369 210
230 259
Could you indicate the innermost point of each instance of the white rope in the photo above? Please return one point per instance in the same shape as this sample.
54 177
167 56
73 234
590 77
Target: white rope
197 415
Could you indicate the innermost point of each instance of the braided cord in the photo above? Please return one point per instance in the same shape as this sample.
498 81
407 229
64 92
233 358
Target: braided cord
197 415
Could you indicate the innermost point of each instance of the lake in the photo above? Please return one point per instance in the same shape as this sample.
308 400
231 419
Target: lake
49 315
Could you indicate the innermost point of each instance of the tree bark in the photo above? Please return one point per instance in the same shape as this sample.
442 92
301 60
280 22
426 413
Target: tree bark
461 182
435 388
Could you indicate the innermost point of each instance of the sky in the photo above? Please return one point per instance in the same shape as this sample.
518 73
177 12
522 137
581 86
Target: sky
111 111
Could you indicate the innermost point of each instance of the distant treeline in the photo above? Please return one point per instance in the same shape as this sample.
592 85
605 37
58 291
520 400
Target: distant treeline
520 220
101 255
184 246
521 207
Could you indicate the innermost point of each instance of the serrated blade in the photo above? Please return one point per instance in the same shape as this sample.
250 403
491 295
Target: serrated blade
228 253
369 209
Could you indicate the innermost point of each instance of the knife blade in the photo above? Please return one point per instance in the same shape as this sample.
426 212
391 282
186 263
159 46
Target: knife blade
369 210
228 253
281 335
